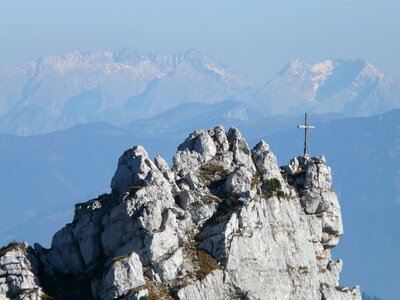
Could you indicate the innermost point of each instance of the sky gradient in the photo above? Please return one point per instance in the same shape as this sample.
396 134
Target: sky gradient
255 37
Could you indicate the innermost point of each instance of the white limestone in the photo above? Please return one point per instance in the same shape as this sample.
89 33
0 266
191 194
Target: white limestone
208 228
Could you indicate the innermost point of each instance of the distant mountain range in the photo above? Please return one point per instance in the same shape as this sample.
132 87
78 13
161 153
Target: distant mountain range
57 92
352 88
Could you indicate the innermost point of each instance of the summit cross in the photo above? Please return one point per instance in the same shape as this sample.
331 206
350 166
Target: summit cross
305 127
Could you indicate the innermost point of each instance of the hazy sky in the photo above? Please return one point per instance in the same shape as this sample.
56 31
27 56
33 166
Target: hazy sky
255 37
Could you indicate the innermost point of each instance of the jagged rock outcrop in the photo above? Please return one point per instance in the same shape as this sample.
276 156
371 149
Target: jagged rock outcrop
18 273
225 222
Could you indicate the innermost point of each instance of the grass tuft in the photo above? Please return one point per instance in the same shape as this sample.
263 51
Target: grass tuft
207 264
14 245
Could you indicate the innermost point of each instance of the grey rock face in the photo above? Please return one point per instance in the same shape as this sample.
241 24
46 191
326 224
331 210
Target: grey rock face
18 274
239 181
318 198
225 222
134 167
211 287
123 275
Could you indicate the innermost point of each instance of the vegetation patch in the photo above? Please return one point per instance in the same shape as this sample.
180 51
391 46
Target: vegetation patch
211 199
158 291
137 289
304 270
212 172
121 257
14 245
290 269
190 246
207 264
256 180
272 187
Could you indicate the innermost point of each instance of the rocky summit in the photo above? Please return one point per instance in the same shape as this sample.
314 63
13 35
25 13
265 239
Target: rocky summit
224 222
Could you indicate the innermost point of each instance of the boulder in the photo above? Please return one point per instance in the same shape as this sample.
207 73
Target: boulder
211 287
239 181
160 244
124 274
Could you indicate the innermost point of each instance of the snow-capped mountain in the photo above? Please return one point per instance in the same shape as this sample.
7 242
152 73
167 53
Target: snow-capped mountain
352 88
57 92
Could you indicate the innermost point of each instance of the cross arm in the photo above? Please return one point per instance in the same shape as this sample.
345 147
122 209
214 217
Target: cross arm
305 126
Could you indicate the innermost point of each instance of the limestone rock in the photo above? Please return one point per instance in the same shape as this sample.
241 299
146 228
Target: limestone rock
200 142
160 244
168 269
225 222
133 169
70 261
266 162
239 181
211 287
18 274
240 149
124 274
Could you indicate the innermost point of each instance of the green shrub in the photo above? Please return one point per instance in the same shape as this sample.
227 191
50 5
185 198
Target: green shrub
272 187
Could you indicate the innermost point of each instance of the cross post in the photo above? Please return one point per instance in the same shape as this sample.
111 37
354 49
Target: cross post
305 127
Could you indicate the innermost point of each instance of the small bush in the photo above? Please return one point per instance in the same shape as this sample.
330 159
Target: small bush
272 187
280 194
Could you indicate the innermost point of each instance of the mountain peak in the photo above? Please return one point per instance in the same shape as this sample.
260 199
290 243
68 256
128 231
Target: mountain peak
223 219
324 68
351 87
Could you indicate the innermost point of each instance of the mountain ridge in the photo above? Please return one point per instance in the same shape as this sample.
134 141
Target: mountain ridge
57 92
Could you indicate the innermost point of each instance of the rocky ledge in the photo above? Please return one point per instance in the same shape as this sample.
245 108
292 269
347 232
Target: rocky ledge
225 222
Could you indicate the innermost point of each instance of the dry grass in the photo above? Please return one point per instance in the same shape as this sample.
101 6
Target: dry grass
211 172
211 199
137 289
118 258
12 246
207 264
158 291
290 269
304 270
256 180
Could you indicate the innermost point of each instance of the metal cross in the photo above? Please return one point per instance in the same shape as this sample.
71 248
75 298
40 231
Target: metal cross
306 127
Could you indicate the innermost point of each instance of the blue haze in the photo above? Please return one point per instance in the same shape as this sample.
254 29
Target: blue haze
257 37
